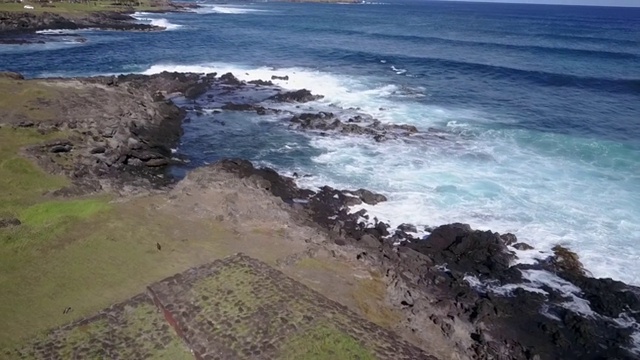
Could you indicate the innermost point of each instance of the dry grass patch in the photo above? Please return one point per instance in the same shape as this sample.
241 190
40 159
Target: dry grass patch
361 290
27 99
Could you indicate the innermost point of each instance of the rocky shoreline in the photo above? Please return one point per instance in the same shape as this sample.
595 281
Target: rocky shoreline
457 285
463 281
13 25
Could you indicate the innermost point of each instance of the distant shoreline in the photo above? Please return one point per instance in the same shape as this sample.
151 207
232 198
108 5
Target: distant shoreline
16 19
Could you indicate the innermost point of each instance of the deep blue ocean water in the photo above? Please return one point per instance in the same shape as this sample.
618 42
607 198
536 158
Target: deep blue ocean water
537 107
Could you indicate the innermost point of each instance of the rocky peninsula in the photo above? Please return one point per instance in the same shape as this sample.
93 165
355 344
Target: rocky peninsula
100 217
18 19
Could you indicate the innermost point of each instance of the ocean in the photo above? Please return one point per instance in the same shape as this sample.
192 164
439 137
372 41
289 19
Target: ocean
535 109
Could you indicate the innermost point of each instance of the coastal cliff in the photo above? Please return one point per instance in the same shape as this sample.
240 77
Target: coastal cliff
69 16
30 22
455 293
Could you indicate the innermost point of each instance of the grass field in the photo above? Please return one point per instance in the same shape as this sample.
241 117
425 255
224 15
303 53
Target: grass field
87 253
325 343
23 99
79 8
84 253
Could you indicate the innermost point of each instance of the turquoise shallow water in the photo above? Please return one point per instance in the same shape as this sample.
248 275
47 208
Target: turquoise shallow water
538 107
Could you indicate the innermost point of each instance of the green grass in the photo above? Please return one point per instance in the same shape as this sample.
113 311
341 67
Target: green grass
91 264
43 223
80 8
86 253
324 343
21 181
23 185
53 212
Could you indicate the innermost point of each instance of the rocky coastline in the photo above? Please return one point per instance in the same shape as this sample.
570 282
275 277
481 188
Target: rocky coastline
456 286
15 24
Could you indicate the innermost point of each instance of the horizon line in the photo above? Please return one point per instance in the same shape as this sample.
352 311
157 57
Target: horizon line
537 3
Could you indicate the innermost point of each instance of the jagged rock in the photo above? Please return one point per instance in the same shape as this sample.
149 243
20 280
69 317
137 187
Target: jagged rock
196 90
25 124
319 121
300 96
566 261
368 240
145 155
382 229
280 186
367 196
352 201
157 162
475 252
60 148
405 127
115 133
522 246
509 239
261 83
98 150
229 79
407 228
357 125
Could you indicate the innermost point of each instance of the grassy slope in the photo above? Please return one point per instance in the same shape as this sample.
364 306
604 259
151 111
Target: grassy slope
84 253
26 99
73 8
325 343
88 253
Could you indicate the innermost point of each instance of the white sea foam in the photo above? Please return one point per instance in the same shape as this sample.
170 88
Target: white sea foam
507 180
56 32
149 18
398 71
226 9
535 280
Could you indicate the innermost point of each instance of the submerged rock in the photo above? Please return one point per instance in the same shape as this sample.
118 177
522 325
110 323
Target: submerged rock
261 83
522 246
240 107
300 96
230 79
407 228
367 196
358 125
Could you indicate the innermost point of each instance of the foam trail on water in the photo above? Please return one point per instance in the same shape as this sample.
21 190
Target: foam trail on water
57 31
226 9
546 188
147 18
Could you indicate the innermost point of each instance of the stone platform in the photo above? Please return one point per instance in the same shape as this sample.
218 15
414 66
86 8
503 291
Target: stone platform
133 329
234 308
241 308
